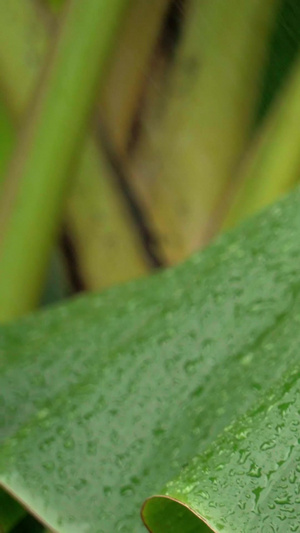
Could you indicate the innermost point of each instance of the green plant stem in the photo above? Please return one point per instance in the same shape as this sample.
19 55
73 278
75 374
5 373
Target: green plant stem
192 152
113 251
129 62
120 100
35 186
272 166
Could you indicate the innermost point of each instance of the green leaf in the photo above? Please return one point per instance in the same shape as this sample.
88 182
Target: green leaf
249 476
110 398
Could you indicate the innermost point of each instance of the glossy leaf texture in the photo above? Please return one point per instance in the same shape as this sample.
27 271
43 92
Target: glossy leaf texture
188 380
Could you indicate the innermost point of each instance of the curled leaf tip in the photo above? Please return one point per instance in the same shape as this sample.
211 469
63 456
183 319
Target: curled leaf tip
162 513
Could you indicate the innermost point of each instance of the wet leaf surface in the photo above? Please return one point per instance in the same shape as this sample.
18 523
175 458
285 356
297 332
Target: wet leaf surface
111 397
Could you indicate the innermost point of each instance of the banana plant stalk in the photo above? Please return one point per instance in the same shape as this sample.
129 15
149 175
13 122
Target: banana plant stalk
186 160
36 183
272 166
121 100
107 244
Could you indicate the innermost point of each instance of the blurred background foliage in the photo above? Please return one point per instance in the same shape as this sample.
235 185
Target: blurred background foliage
149 190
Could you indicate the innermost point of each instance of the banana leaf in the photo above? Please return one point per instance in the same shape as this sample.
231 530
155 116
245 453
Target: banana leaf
178 393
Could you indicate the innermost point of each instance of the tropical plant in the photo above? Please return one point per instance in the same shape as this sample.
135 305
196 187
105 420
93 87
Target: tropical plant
170 402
